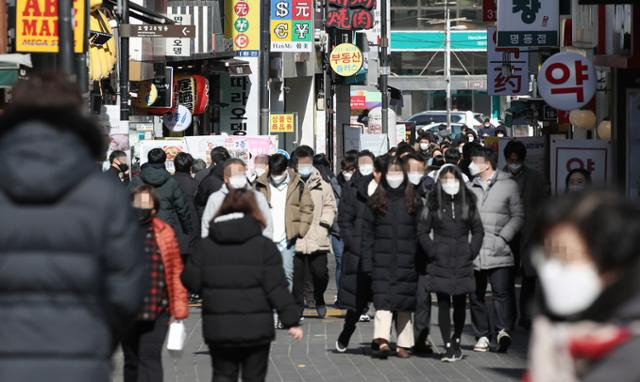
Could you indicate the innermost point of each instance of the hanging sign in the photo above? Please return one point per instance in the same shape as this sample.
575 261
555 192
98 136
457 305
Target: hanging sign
292 26
37 26
489 11
179 120
567 81
346 59
507 69
242 26
526 23
351 14
593 156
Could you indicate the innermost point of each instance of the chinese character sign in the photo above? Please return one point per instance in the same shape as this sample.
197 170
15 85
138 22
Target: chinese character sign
351 14
292 25
526 23
37 26
282 123
507 68
346 60
242 26
567 81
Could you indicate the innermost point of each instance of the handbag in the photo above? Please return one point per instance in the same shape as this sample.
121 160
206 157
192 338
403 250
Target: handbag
177 336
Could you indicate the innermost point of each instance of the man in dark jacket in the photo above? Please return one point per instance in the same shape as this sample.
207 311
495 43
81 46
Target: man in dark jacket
183 163
118 162
214 178
71 251
173 200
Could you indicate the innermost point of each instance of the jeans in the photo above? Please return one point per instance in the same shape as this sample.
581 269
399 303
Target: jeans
338 249
422 316
228 362
142 349
287 251
501 280
316 264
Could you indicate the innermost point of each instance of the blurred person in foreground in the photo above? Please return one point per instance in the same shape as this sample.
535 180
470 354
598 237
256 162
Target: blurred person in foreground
589 266
71 249
239 273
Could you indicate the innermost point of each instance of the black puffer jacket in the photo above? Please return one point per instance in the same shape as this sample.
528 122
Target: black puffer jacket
174 208
210 184
355 284
71 253
238 272
392 240
189 186
450 254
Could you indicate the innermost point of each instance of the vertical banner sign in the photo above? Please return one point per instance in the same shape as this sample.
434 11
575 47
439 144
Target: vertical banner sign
37 26
512 81
240 93
291 25
178 47
242 26
526 23
489 11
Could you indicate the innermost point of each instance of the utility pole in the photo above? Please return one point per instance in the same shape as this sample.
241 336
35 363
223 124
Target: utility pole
384 66
65 37
265 42
123 6
447 61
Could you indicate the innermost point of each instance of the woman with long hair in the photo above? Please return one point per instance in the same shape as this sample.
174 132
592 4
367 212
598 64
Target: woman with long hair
390 240
238 272
451 215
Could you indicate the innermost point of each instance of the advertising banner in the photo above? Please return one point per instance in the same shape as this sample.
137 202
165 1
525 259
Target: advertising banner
527 23
292 26
514 81
243 26
591 155
37 26
171 147
245 148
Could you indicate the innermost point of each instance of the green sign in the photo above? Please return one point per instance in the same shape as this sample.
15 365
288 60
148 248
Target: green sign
416 41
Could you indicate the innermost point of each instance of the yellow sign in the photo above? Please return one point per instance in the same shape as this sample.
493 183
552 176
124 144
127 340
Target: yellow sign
37 26
282 123
346 59
242 26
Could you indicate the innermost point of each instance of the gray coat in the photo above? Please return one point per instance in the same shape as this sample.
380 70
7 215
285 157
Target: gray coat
502 215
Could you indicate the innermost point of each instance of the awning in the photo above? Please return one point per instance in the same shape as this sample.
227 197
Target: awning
233 67
10 68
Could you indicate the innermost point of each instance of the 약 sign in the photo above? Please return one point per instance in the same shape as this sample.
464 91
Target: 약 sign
591 155
37 26
567 81
346 59
526 23
282 123
291 25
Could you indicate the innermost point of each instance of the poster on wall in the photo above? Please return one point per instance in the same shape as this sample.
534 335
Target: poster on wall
242 147
591 155
171 147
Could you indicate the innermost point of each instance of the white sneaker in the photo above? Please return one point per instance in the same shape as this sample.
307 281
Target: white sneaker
364 318
482 345
340 348
504 341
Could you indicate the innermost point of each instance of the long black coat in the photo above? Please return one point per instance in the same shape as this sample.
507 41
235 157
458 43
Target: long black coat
238 272
190 187
71 252
355 282
450 254
391 239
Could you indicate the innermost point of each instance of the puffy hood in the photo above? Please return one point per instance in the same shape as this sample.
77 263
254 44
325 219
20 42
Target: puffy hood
155 174
234 228
41 163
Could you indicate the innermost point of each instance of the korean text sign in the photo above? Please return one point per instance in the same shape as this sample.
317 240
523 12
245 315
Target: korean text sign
282 123
526 23
346 59
510 83
243 26
292 25
593 156
37 26
567 81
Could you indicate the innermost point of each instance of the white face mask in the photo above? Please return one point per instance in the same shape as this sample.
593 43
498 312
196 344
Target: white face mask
366 169
347 175
238 181
569 288
470 138
515 167
424 146
278 179
474 169
305 170
395 181
415 177
451 187
260 171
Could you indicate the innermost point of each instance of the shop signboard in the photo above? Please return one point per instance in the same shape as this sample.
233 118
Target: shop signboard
567 81
292 26
37 26
528 23
243 26
282 123
241 114
178 46
346 59
515 80
351 14
489 11
178 120
591 155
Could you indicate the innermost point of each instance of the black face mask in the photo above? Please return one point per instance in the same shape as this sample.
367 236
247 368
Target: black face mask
144 215
123 167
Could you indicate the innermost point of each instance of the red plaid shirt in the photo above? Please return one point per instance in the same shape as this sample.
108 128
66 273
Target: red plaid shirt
156 301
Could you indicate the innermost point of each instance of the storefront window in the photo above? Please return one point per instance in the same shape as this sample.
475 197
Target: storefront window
415 14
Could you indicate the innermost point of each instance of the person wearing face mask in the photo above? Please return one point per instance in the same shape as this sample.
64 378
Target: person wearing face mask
588 265
502 217
452 217
235 177
354 293
533 192
577 180
311 249
261 167
119 167
390 239
165 299
423 144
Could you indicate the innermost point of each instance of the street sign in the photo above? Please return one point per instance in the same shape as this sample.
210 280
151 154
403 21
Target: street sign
346 59
512 81
282 123
567 81
158 30
527 23
292 25
176 46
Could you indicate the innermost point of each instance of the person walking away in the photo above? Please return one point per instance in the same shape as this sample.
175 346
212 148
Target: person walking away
218 155
452 216
213 179
588 267
291 208
72 258
165 299
173 201
390 238
235 177
502 217
183 163
239 273
199 165
533 192
119 167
